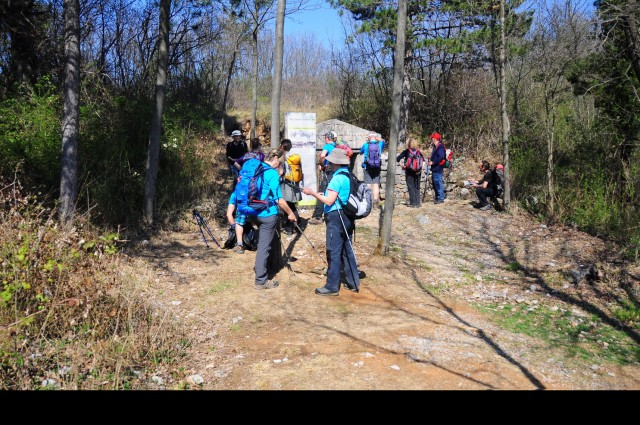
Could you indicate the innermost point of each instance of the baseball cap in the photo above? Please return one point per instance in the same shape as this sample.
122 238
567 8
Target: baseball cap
435 136
331 135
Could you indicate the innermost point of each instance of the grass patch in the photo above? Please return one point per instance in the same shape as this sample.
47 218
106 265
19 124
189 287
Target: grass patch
582 338
514 266
219 287
629 313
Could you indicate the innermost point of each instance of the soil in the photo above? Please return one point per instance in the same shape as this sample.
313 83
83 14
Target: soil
414 325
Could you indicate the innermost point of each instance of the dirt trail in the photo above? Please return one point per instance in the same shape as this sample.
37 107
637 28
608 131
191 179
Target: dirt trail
411 327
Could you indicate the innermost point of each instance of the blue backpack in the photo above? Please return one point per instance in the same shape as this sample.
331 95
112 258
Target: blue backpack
373 156
249 188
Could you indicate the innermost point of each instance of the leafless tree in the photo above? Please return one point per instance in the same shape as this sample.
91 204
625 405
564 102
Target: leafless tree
156 119
71 112
398 80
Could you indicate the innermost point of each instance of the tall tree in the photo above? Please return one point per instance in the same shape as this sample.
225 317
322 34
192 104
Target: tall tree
71 112
153 154
506 126
276 92
398 81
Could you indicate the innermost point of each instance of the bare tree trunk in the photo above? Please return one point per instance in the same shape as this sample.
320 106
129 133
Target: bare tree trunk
398 79
506 126
254 108
550 125
276 91
406 98
153 154
71 113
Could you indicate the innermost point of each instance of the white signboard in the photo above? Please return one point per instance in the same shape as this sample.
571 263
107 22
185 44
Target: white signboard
300 128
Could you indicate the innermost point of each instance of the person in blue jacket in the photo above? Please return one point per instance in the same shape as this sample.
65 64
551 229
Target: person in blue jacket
371 173
436 161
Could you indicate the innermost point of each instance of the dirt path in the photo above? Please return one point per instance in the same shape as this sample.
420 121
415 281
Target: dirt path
413 324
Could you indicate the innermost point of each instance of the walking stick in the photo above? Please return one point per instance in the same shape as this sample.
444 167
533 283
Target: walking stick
311 243
202 223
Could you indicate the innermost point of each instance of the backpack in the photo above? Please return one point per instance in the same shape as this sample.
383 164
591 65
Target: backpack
294 168
414 160
344 146
360 199
448 158
498 181
249 237
373 156
249 188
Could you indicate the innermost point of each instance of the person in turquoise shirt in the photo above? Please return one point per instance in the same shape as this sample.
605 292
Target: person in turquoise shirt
372 174
268 219
340 255
324 175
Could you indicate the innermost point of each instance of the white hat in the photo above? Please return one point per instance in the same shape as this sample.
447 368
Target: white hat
236 133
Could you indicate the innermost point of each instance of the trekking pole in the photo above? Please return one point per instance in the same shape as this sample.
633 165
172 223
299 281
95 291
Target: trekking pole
351 245
311 243
202 223
285 253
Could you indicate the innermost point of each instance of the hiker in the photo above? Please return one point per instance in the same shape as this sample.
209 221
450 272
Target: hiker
291 191
340 255
484 186
372 163
255 152
324 174
436 159
235 149
411 161
268 219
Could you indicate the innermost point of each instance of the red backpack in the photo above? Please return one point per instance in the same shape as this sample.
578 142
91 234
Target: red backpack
414 160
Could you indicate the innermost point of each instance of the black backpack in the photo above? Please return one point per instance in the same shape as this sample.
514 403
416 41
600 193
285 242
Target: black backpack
498 180
249 237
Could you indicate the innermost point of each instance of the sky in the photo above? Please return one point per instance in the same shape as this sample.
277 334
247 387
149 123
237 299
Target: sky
324 22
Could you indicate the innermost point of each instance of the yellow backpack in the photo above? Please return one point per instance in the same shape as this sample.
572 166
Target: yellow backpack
294 168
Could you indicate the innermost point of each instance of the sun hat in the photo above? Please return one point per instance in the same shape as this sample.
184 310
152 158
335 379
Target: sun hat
236 133
338 156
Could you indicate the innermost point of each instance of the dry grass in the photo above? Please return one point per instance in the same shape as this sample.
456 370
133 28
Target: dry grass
72 314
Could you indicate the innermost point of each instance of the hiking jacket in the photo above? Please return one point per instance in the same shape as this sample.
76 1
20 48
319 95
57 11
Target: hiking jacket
437 155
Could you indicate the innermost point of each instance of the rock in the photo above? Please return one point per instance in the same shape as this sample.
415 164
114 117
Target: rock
520 300
157 380
394 367
195 380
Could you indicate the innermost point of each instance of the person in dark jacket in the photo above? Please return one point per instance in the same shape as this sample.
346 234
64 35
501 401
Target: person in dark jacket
236 148
436 162
484 186
412 176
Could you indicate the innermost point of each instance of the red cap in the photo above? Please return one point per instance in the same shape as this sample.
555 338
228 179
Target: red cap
435 136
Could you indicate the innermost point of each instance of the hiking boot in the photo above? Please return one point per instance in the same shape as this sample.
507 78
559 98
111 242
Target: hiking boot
485 207
315 220
438 201
325 291
238 249
269 285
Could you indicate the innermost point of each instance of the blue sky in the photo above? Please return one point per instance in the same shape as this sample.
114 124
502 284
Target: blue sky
324 22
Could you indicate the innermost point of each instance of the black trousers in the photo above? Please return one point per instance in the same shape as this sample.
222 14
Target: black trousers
413 185
483 194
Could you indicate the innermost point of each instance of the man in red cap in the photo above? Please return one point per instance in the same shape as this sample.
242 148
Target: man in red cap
436 162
